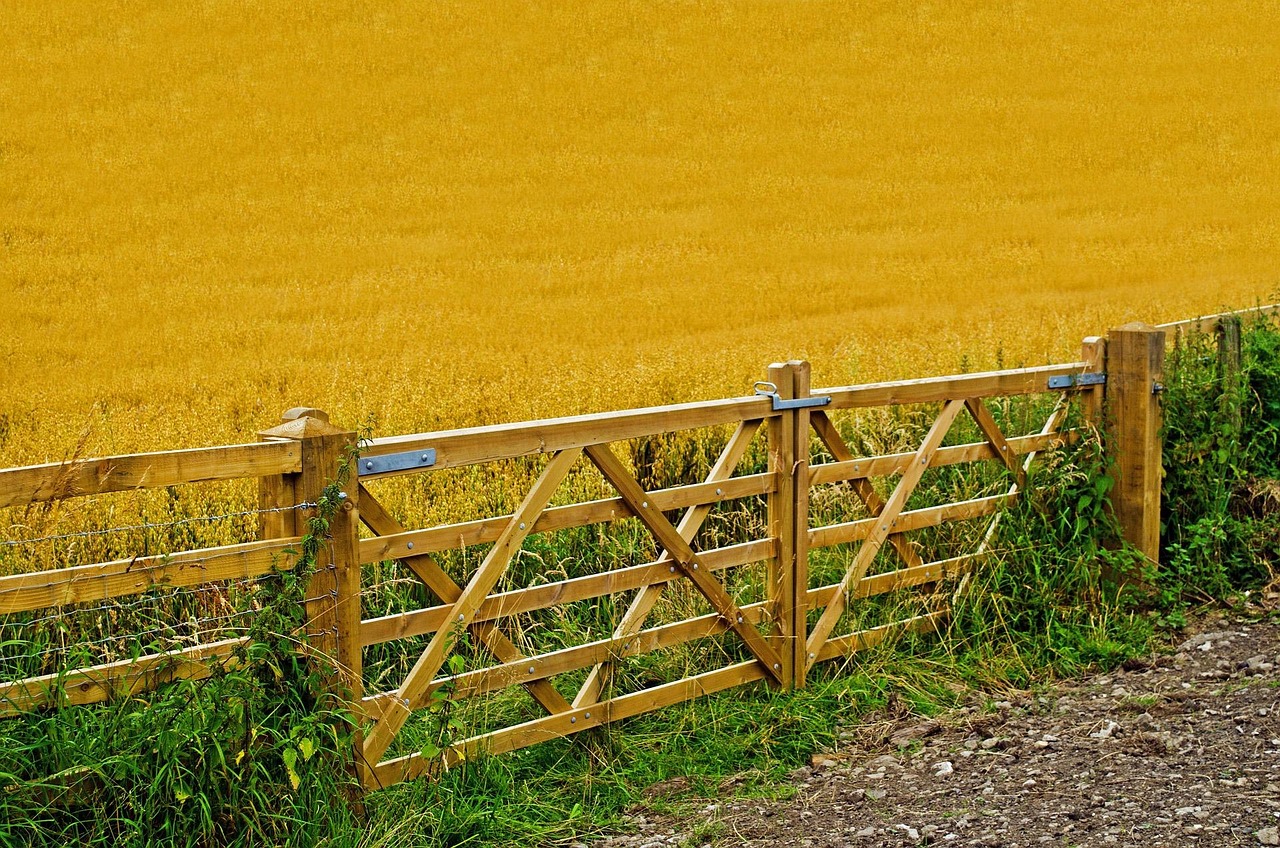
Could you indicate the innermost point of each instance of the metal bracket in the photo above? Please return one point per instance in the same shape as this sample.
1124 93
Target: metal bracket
407 461
780 404
1075 381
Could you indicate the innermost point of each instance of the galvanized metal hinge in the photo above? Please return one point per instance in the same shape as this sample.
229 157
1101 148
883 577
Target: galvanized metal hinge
407 461
770 390
1075 381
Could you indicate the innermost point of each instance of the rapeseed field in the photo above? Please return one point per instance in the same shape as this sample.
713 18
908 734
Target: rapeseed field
439 214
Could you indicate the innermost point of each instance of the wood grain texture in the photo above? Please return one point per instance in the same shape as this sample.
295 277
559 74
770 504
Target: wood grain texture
99 581
55 481
117 679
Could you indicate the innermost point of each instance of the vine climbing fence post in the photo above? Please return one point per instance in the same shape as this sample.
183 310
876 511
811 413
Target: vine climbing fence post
332 593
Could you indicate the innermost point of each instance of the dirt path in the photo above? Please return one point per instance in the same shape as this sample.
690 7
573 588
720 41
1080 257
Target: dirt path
1180 750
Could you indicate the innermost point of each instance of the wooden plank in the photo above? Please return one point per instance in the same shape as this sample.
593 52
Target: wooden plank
1209 323
1093 350
862 487
430 572
1135 363
1017 381
780 576
852 643
504 441
58 480
902 578
420 622
995 437
792 612
470 533
883 466
553 727
683 555
880 531
648 596
463 610
542 666
916 519
100 581
112 680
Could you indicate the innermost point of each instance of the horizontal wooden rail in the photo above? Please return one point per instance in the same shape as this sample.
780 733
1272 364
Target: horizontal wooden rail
880 466
916 519
625 706
110 680
484 530
1015 381
1209 323
37 483
542 666
506 441
419 622
100 581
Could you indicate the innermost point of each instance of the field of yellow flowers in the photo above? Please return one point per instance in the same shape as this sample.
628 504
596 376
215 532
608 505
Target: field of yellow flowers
451 213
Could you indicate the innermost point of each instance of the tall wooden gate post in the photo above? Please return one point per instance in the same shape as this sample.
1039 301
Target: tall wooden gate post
332 595
789 521
1135 367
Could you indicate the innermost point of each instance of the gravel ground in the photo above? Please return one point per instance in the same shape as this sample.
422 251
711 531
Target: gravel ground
1180 749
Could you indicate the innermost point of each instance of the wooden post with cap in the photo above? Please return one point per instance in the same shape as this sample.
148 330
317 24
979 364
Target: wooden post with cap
332 593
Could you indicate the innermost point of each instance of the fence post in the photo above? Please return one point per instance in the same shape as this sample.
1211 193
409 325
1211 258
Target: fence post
1135 366
788 506
1229 364
332 595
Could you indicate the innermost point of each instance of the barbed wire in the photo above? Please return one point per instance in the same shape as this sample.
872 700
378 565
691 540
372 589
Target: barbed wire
154 525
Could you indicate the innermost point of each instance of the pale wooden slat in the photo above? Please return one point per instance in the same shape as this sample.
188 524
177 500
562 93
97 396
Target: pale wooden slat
111 680
883 466
464 609
97 582
37 483
902 578
420 622
484 530
995 437
504 441
916 519
554 727
1016 381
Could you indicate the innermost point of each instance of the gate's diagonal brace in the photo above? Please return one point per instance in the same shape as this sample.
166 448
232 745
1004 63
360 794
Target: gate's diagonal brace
995 438
641 605
835 443
464 608
893 507
670 539
429 572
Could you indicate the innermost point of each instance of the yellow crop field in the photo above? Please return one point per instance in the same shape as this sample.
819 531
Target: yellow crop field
448 213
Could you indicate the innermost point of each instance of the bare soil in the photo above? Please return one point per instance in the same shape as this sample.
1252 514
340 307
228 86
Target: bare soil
1176 749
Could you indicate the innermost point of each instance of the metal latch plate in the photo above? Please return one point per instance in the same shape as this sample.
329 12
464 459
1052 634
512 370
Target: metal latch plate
407 461
779 404
1090 378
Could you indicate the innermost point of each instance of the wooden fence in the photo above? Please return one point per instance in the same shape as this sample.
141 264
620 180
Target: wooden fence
777 637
